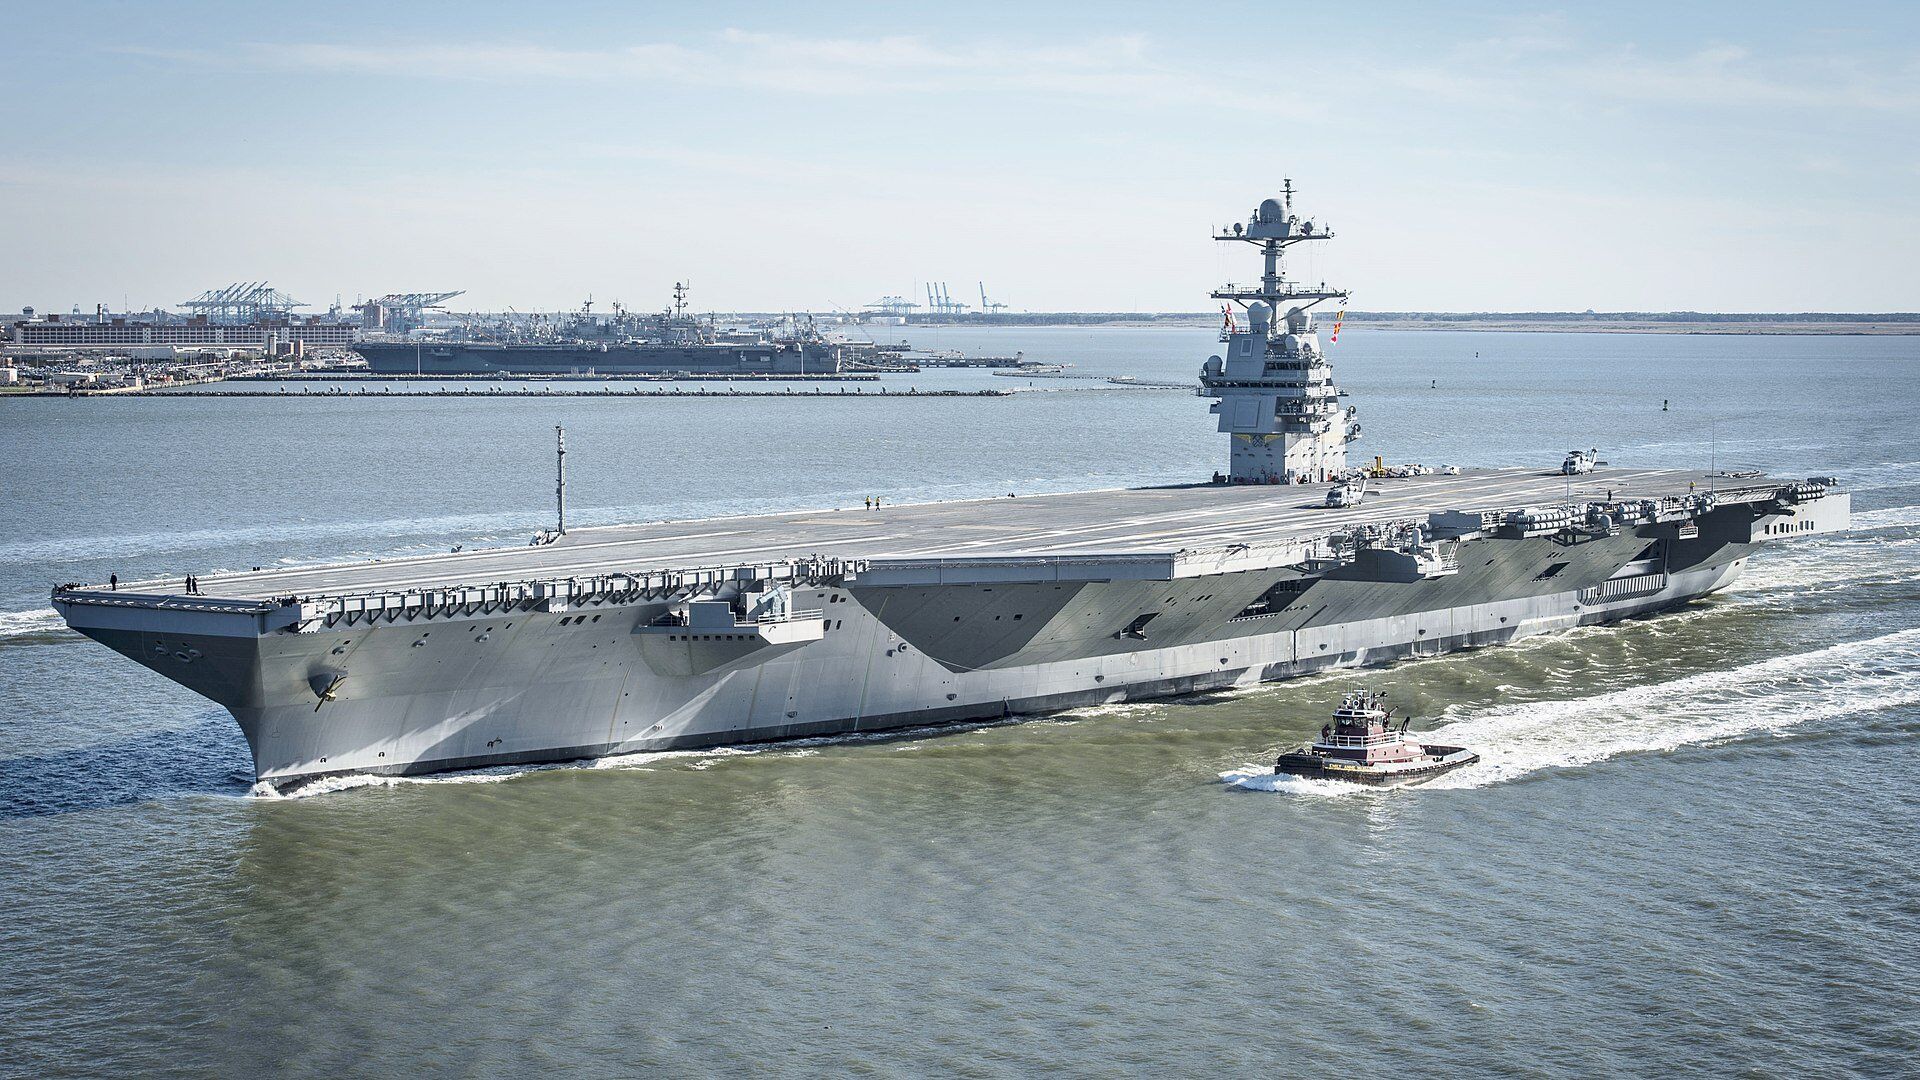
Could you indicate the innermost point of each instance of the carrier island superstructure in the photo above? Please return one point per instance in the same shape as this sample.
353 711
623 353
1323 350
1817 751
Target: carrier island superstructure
1276 395
815 622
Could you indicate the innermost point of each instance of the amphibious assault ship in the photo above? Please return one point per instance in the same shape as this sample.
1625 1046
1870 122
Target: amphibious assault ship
703 633
665 343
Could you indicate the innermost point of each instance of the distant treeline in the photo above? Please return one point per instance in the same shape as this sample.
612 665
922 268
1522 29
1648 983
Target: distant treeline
1637 316
1066 318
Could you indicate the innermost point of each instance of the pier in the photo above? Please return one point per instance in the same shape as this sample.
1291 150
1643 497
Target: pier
363 393
1111 380
362 375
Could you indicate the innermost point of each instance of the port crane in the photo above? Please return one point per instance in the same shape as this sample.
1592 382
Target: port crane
891 305
242 302
400 312
941 302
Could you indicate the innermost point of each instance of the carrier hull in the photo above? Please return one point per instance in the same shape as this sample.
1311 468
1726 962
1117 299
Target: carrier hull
704 633
613 665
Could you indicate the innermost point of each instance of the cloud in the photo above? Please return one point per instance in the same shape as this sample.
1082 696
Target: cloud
917 54
1011 152
1494 73
480 61
1824 164
1534 63
1118 69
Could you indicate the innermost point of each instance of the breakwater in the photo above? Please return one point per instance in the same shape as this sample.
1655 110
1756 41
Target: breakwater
363 393
1111 380
550 376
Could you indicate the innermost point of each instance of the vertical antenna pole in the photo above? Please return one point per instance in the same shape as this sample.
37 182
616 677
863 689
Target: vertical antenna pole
560 486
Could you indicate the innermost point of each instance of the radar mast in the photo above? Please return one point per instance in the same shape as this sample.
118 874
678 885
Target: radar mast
1274 389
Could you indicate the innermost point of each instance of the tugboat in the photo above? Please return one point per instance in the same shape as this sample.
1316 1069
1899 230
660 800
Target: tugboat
1362 746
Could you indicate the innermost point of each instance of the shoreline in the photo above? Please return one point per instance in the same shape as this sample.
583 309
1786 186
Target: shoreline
1782 328
1720 329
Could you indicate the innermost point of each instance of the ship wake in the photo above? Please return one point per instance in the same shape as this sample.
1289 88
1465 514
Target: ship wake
37 624
1769 697
908 738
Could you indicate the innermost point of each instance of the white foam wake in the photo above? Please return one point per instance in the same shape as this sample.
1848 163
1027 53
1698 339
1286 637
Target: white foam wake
34 621
1892 517
1716 706
701 759
1830 563
328 785
1829 560
490 774
1251 778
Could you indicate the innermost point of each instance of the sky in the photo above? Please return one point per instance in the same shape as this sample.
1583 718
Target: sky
1711 156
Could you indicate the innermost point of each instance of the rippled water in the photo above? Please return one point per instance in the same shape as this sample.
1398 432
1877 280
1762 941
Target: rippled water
1690 845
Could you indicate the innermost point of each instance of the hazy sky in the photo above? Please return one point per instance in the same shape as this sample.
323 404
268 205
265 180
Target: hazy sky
1708 156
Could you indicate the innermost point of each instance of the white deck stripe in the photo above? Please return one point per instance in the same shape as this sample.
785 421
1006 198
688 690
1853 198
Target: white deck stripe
1155 520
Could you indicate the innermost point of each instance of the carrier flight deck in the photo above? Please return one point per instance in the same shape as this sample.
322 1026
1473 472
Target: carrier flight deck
1140 521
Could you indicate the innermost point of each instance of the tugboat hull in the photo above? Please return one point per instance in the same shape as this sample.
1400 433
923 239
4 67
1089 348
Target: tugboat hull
1440 759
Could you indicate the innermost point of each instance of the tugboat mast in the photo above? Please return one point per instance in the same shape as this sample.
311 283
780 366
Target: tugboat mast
1275 391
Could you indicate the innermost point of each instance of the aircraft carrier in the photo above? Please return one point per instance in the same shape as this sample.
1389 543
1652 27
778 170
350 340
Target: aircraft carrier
665 343
814 622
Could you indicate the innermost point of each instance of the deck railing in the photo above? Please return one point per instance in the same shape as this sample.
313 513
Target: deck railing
798 615
1362 741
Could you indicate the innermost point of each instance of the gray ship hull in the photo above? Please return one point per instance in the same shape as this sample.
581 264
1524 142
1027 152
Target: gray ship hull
683 659
583 358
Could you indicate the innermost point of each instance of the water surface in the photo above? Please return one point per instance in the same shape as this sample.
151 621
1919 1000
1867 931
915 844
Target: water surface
1690 845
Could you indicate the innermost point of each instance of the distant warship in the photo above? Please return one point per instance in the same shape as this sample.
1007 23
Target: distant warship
701 633
670 342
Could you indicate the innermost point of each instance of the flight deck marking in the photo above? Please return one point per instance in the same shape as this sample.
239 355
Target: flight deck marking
1289 520
1252 518
562 569
1130 527
285 572
1288 524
